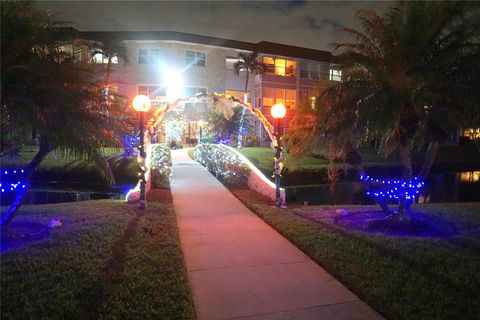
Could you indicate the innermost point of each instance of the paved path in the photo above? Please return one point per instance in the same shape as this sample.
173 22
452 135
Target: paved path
239 267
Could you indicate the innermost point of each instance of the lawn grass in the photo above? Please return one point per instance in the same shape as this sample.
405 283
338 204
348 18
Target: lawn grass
71 172
107 261
403 278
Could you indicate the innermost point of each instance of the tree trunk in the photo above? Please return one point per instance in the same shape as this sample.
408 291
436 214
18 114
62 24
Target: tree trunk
32 166
109 65
245 95
429 159
107 104
113 182
381 202
406 158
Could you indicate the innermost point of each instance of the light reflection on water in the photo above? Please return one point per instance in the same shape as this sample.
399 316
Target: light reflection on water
452 187
469 176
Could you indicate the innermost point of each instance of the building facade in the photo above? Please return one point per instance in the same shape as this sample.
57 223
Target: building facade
168 65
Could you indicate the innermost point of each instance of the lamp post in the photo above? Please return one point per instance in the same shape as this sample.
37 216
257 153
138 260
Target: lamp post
141 104
278 112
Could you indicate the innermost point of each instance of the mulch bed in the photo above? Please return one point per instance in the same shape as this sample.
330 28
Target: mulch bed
372 220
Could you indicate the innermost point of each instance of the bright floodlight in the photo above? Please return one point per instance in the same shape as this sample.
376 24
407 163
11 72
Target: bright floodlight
173 82
172 78
141 103
278 111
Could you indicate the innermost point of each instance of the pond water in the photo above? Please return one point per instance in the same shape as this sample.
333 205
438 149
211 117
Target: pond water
439 187
57 196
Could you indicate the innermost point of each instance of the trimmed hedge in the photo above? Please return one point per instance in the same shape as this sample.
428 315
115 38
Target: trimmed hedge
160 165
227 166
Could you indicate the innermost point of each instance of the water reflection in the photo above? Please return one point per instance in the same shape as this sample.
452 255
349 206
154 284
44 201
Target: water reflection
45 197
452 187
472 176
439 187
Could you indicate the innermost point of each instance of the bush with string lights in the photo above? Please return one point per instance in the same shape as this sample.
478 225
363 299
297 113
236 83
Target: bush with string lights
226 165
160 165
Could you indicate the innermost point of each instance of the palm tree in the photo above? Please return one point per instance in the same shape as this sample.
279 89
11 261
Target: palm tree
49 91
412 76
250 63
109 49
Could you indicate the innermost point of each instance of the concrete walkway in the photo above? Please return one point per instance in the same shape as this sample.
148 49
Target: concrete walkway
239 267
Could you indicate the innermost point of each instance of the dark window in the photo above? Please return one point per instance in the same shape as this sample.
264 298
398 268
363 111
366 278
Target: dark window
194 58
142 56
148 56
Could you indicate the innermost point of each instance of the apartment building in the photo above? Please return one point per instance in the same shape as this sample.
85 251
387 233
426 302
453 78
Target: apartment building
165 65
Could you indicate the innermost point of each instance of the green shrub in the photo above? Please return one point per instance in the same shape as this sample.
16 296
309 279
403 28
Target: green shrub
160 165
226 165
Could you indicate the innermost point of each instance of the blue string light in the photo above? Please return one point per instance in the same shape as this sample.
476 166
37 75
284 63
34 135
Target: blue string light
225 141
16 176
12 172
393 189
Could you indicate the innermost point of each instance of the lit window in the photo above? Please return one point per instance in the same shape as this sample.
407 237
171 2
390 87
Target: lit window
272 96
268 102
290 68
335 75
280 66
230 62
148 56
100 58
195 58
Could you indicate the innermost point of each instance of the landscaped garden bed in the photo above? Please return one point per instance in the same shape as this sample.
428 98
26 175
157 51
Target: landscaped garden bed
403 277
107 260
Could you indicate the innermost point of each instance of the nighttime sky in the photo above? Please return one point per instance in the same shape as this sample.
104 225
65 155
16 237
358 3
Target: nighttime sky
308 24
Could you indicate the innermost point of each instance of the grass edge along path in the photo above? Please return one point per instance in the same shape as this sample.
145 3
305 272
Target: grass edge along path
401 278
107 261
